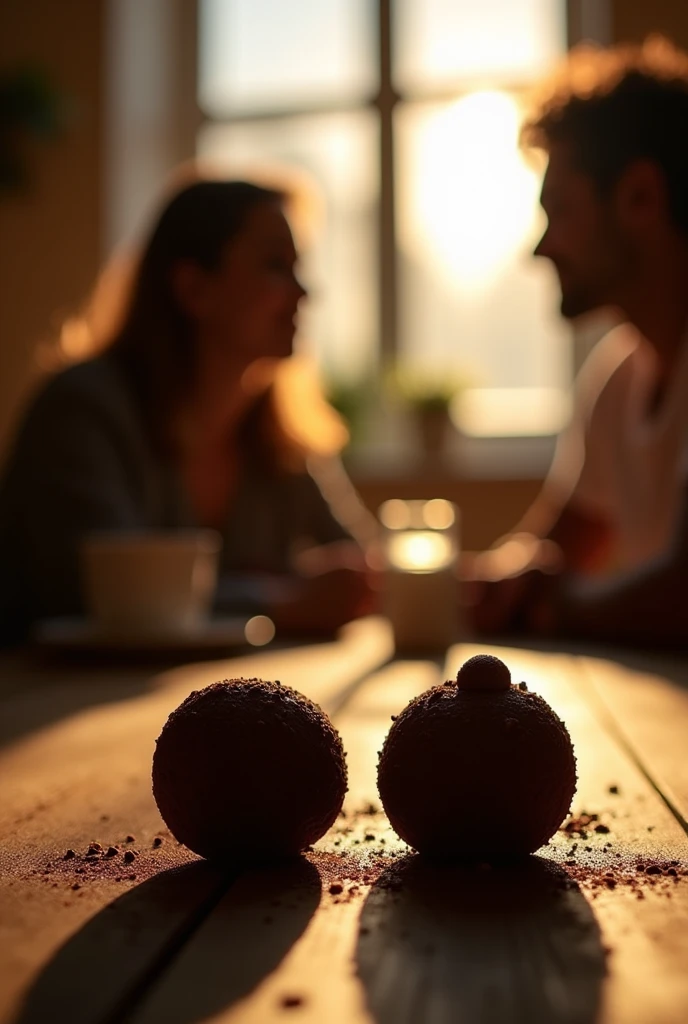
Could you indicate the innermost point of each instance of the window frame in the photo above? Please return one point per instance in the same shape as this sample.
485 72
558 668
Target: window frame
582 16
175 30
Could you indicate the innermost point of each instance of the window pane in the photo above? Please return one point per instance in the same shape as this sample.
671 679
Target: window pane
473 302
257 54
444 42
336 155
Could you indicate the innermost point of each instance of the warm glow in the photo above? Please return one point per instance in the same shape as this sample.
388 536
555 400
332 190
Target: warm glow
475 198
420 551
438 514
75 338
259 630
395 514
511 412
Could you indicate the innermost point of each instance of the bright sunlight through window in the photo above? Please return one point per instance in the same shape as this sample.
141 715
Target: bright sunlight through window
477 197
467 300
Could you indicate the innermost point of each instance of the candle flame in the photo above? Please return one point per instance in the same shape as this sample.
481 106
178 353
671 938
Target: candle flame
420 551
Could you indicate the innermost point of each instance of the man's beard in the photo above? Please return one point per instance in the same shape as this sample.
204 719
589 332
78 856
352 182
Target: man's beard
576 303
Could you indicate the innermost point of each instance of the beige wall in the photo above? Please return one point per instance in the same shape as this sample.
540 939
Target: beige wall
632 20
53 238
50 237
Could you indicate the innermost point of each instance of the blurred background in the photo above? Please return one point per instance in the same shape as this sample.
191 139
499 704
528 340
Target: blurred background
434 332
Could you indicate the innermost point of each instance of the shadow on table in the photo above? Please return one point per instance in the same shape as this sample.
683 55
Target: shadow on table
516 944
33 698
670 662
183 946
36 691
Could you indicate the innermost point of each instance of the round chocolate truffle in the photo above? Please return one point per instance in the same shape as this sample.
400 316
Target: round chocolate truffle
248 770
477 767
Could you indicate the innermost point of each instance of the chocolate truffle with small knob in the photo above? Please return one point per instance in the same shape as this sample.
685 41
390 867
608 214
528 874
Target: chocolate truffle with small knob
477 767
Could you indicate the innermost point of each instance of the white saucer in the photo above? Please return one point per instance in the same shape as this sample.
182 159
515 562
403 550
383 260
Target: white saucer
67 634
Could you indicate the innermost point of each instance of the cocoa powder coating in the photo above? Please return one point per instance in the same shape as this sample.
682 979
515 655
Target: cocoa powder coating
248 770
481 768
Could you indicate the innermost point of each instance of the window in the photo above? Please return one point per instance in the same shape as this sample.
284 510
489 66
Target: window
402 118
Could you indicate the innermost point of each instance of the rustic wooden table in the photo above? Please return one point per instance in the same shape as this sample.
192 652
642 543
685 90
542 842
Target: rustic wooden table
594 928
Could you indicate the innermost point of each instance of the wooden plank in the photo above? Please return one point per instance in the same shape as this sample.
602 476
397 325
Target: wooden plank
192 990
642 917
83 775
644 702
575 935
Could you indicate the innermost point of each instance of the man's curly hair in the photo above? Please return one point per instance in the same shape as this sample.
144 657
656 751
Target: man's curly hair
618 105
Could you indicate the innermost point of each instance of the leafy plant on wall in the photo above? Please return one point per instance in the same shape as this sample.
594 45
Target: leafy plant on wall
31 108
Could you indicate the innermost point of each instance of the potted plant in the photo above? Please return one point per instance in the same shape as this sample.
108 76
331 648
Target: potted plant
353 399
428 395
31 108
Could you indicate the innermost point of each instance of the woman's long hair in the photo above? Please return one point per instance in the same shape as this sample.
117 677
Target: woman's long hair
151 339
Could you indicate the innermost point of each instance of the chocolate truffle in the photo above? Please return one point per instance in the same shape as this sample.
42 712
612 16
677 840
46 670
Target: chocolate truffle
477 768
248 770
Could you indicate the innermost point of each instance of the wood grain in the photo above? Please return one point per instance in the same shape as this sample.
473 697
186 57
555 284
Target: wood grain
644 702
81 935
575 935
317 972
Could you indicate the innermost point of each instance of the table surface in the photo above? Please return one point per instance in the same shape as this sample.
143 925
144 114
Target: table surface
592 928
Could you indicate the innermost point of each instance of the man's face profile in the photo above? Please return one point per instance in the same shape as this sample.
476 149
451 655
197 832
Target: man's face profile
581 239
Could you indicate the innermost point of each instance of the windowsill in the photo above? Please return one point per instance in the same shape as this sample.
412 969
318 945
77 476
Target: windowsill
467 458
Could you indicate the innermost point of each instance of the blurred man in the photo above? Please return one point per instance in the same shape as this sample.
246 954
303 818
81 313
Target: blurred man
604 552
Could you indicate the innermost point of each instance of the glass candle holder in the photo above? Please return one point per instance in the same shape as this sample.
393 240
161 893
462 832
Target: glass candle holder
420 545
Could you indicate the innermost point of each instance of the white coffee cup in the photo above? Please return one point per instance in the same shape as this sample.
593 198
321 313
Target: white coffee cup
149 582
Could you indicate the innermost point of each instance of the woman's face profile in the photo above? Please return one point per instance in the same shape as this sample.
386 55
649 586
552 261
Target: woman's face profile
248 305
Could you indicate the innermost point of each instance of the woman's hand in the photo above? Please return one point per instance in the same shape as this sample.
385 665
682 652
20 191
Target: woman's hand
333 586
513 587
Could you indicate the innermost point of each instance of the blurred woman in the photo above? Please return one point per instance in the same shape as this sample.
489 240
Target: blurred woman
184 419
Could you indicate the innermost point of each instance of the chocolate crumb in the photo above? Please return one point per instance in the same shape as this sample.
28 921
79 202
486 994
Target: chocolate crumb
69 854
130 856
130 839
289 1002
614 790
157 842
131 878
603 829
336 888
523 687
76 885
111 851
